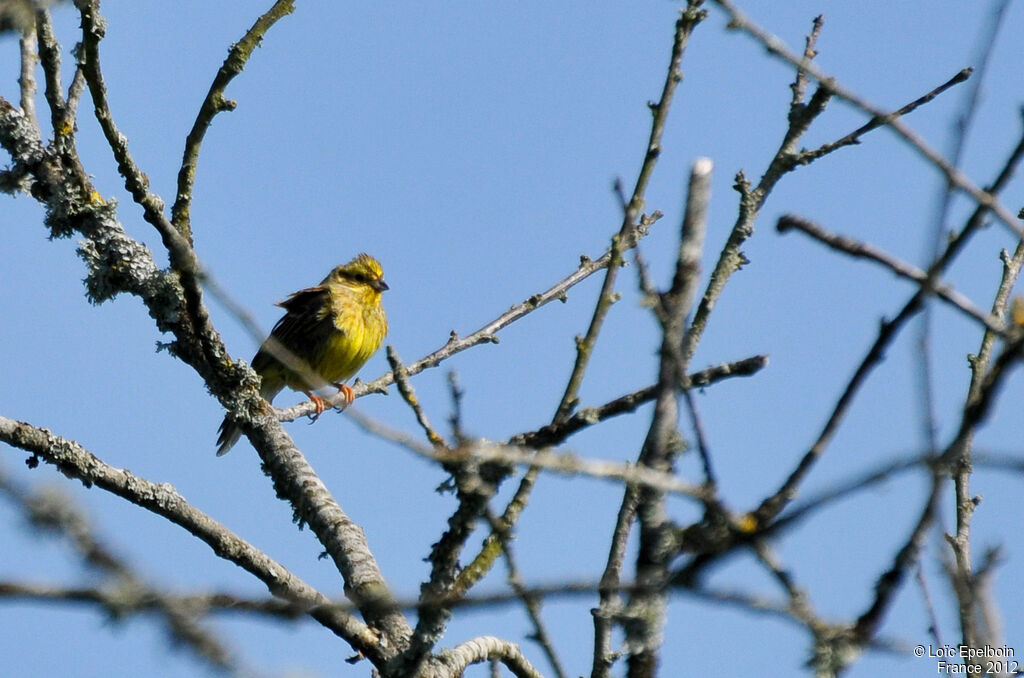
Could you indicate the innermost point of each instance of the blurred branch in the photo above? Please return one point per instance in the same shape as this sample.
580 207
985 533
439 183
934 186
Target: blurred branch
888 584
487 648
531 602
76 462
929 605
125 602
478 452
52 511
475 483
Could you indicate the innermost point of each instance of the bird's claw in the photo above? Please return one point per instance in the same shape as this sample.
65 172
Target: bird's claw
320 405
347 392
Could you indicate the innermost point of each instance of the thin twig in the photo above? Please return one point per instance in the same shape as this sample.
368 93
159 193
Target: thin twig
858 249
752 199
773 504
183 258
456 417
798 605
531 602
853 137
555 434
702 443
961 472
409 396
777 47
688 20
889 582
929 605
213 104
478 452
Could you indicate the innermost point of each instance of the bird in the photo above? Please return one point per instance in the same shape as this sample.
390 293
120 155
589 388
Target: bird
327 333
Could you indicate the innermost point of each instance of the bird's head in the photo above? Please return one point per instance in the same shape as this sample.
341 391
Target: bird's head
363 274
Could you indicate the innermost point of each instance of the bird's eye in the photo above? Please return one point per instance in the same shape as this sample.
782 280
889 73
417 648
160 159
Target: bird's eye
359 277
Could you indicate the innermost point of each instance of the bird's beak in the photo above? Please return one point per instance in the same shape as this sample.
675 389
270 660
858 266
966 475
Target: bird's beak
379 285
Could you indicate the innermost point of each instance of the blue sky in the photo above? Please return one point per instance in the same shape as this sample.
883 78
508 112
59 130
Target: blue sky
472 147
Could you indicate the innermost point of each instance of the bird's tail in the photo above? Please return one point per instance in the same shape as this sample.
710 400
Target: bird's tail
227 435
229 432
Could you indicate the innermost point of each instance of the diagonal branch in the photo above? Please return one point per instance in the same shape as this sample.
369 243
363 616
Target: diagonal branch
163 500
776 47
772 505
555 434
213 104
861 250
687 22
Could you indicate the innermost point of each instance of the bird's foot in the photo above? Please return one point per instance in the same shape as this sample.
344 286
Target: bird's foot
347 392
319 403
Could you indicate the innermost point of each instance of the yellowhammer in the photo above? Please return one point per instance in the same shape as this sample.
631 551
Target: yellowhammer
325 336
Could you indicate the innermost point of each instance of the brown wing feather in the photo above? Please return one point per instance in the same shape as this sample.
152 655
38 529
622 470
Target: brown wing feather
302 328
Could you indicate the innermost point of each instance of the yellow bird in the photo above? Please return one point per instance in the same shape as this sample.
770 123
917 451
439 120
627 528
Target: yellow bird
327 333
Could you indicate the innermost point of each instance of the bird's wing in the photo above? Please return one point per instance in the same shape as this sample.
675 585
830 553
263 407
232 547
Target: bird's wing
305 313
301 329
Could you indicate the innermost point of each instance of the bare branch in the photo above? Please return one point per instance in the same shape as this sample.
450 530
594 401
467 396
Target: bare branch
771 505
531 602
853 137
647 607
889 582
213 104
955 177
409 396
688 20
53 511
555 434
858 249
478 452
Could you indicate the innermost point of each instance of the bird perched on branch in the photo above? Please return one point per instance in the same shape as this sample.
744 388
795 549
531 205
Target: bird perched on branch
327 333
